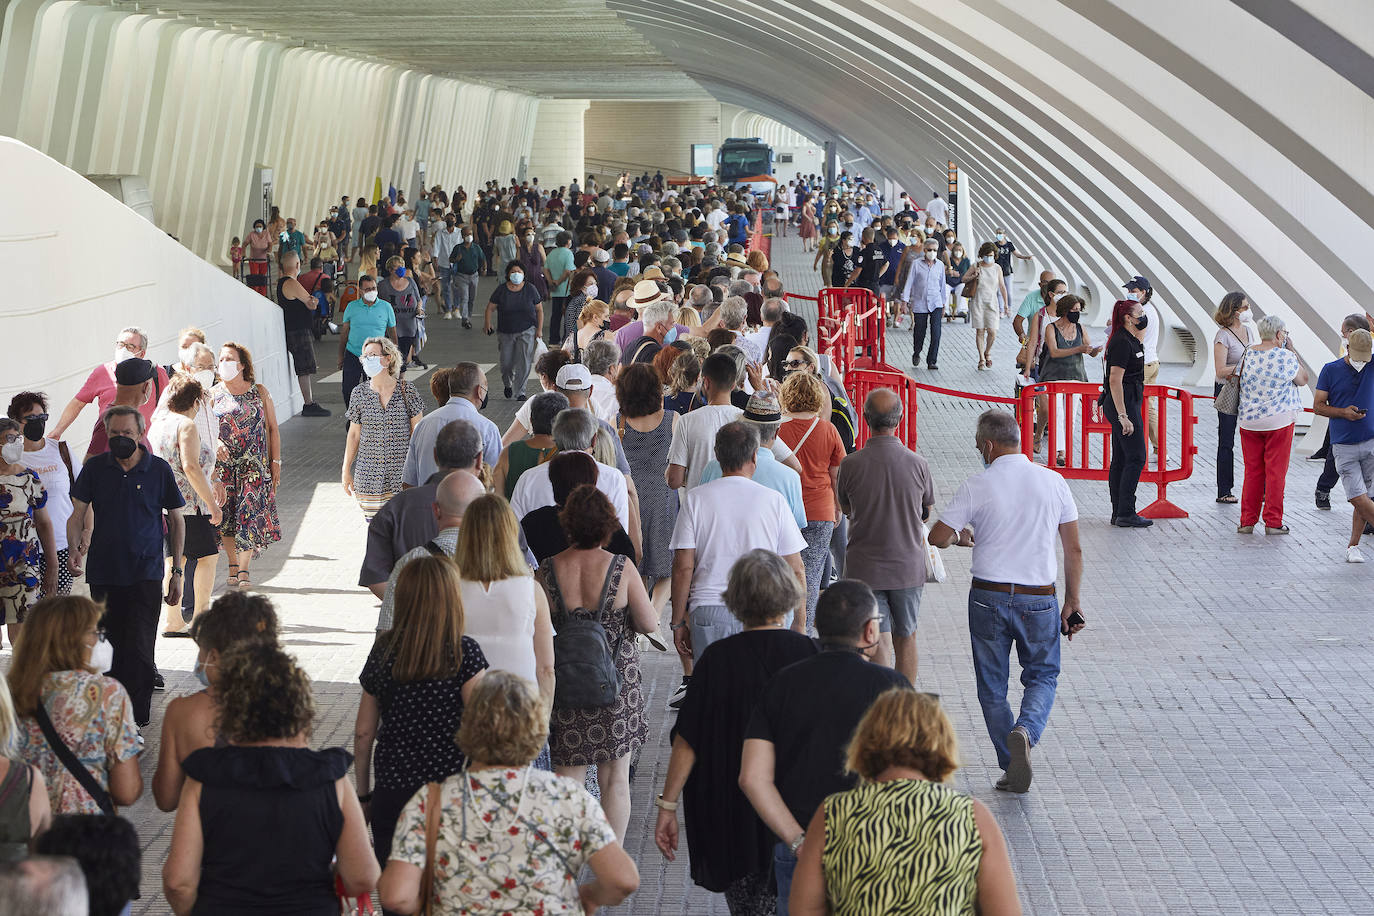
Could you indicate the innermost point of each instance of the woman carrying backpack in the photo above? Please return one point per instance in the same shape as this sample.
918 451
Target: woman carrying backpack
589 588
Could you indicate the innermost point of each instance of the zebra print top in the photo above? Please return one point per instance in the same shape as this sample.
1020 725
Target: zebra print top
903 846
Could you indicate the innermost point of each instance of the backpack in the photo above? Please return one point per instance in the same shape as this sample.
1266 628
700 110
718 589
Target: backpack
842 415
585 676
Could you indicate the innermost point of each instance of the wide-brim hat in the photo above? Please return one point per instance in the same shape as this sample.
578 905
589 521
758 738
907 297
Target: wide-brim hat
736 259
646 293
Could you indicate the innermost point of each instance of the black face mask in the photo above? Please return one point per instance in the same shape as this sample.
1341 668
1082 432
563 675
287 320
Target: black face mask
122 447
1143 320
1074 317
33 429
486 394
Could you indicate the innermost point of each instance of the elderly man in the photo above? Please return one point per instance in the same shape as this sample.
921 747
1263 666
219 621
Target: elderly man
129 489
886 490
101 387
717 523
574 430
467 388
1015 509
602 359
658 330
924 292
44 886
771 313
763 413
452 497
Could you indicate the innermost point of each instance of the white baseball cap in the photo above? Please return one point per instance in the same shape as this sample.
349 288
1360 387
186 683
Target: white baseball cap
573 377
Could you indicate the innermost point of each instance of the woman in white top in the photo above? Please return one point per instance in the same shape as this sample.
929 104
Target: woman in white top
1228 347
505 610
1269 406
52 462
983 307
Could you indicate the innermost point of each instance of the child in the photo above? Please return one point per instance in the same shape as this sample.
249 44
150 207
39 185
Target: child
236 256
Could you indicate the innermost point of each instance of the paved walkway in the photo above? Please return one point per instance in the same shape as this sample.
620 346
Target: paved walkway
1209 749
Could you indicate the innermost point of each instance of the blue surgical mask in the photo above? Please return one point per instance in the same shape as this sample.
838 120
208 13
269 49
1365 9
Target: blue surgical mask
670 336
400 271
201 674
372 366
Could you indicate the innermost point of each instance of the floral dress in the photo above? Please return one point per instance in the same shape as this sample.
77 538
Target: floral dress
581 737
94 717
21 495
510 841
250 511
384 439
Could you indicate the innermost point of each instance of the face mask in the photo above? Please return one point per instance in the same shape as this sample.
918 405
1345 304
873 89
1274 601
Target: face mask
121 354
206 377
834 230
122 447
33 429
1357 365
1142 321
930 254
369 297
949 240
452 226
529 239
202 675
11 452
102 655
372 365
1074 317
517 278
400 271
986 462
257 228
987 259
185 356
485 394
1001 237
670 336
958 253
589 289
228 370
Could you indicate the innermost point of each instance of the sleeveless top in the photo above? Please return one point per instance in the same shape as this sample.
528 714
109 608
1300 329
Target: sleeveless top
519 459
501 618
1063 368
15 828
905 846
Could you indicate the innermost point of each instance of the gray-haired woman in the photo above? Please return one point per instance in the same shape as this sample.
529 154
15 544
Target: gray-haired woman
1269 406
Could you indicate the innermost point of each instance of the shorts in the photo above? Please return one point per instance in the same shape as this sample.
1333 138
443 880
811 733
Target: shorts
984 315
201 539
1355 464
899 607
301 346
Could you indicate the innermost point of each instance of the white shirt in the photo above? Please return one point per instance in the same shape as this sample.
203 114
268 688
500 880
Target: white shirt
534 491
1015 508
715 218
603 400
407 228
938 209
501 618
694 440
724 519
1151 339
47 463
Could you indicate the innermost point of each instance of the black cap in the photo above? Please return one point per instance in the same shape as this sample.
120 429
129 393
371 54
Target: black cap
1138 283
133 371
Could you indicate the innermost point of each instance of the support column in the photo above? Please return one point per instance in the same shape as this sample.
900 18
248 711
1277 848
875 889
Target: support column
558 151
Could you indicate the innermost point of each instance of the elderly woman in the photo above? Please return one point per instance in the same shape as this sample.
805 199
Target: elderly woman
952 857
731 848
250 463
482 838
58 672
523 454
381 416
264 819
1269 405
588 582
1228 347
26 533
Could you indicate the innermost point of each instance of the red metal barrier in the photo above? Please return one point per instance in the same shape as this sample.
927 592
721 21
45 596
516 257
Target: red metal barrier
870 335
860 382
833 300
1081 425
758 240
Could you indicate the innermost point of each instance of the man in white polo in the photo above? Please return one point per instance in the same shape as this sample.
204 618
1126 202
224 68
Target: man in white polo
1015 509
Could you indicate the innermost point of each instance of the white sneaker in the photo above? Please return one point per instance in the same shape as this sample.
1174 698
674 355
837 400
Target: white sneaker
1353 555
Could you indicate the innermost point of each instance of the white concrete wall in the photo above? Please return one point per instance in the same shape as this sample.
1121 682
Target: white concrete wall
808 156
192 110
644 136
557 152
72 289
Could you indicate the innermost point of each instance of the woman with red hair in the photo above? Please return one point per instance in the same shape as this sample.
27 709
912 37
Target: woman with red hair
1122 402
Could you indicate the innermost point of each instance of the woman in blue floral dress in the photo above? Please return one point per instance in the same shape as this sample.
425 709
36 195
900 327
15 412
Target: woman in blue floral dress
25 532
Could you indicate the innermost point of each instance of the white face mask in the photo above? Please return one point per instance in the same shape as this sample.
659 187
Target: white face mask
102 655
987 259
122 354
517 278
370 296
206 377
372 366
11 452
228 370
930 254
590 289
185 355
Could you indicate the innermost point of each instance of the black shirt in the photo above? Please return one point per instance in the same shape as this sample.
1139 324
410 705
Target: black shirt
369 225
1004 253
127 544
296 315
1125 351
544 533
842 265
515 309
870 259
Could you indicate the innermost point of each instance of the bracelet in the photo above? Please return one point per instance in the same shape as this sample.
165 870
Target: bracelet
796 844
177 571
276 461
665 805
677 626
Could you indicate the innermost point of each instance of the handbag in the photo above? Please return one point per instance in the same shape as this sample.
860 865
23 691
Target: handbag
970 289
1227 400
431 842
935 564
73 765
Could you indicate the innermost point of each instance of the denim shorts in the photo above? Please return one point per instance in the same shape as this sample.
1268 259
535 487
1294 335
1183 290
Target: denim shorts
1355 464
899 607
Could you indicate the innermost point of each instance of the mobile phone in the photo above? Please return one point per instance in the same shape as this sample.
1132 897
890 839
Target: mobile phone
1076 620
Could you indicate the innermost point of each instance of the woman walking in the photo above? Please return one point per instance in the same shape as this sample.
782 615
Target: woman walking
1269 406
646 431
1228 349
250 468
381 416
1122 402
983 312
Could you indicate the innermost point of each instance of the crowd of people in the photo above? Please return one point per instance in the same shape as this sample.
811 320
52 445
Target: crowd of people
690 455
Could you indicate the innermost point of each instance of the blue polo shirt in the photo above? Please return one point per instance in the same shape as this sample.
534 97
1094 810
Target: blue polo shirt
1345 387
366 321
127 543
774 475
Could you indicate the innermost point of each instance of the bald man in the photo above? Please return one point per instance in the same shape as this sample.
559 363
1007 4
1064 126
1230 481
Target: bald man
452 497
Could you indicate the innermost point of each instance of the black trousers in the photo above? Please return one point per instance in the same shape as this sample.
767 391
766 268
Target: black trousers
1128 452
352 375
131 617
1226 449
918 336
556 306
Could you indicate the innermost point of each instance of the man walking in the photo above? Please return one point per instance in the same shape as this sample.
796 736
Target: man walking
129 489
886 490
298 308
924 291
466 259
1016 508
445 240
467 388
1345 394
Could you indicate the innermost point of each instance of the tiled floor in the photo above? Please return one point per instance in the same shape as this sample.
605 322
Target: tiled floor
1209 750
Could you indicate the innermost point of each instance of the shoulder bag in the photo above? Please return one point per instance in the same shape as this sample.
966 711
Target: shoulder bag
1228 398
73 765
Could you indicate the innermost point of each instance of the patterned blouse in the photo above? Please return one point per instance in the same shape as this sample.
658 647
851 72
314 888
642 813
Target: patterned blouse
904 846
93 715
384 436
1268 398
21 495
528 834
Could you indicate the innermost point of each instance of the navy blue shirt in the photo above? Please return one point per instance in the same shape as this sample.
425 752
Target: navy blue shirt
1345 387
127 543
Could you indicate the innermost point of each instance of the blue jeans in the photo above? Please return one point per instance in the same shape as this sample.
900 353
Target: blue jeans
448 293
784 864
996 622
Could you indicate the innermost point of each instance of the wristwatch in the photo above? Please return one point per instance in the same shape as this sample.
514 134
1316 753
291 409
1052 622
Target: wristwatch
678 626
665 805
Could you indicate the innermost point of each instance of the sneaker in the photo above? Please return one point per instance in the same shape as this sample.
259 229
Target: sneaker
333 328
315 410
158 682
679 694
448 316
467 324
1353 555
508 392
1281 529
1323 499
1245 529
1018 778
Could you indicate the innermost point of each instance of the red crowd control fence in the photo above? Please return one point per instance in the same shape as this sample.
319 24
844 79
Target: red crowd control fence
1071 414
859 382
758 239
833 300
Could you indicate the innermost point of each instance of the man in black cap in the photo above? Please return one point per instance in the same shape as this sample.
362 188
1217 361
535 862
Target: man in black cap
138 384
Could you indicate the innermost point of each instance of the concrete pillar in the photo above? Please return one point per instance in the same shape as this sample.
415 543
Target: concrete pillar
558 153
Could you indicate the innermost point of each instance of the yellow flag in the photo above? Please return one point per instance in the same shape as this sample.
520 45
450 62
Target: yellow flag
377 191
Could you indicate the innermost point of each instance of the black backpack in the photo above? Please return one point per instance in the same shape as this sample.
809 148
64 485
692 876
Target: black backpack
585 676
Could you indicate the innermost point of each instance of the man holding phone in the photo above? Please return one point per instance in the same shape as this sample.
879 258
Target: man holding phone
1349 383
1015 508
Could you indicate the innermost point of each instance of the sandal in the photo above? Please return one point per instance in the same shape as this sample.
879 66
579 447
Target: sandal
1228 498
244 584
233 575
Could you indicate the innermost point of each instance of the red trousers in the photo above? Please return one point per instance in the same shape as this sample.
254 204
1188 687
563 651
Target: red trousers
1266 457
